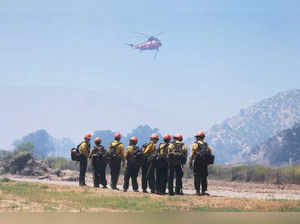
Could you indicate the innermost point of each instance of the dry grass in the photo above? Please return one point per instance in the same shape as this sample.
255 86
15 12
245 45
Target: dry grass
33 197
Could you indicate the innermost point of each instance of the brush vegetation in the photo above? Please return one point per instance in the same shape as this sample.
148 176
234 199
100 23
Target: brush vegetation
256 174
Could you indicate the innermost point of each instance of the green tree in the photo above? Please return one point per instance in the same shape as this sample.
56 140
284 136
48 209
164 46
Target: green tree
24 147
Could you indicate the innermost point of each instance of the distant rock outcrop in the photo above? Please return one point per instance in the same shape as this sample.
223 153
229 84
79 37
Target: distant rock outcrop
106 136
45 145
254 125
23 163
142 132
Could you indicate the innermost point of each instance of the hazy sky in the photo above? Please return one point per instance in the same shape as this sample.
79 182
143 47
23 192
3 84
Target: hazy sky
217 57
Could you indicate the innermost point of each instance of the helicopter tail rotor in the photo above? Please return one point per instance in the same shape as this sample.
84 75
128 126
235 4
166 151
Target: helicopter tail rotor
130 45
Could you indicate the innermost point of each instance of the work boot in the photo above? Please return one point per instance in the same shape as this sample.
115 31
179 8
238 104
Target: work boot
180 192
145 191
104 187
205 194
198 193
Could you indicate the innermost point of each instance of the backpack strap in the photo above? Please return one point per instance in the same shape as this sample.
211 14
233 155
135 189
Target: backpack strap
133 148
199 148
99 147
144 147
162 148
115 147
178 147
78 146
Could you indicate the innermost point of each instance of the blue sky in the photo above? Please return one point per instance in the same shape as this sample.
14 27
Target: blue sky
217 57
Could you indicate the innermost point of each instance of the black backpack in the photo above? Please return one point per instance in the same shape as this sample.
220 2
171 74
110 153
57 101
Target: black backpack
164 156
203 155
75 153
100 156
137 157
161 159
113 157
177 157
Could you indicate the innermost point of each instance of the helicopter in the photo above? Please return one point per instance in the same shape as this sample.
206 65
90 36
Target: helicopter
152 43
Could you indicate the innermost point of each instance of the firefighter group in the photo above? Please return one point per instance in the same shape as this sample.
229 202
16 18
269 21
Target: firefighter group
159 164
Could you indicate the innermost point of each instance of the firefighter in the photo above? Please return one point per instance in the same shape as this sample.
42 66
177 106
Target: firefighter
177 154
116 152
148 177
98 156
132 166
84 150
201 156
162 165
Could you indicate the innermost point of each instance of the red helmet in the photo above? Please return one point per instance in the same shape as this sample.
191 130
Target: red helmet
167 137
97 140
200 134
154 136
178 136
117 135
133 139
88 136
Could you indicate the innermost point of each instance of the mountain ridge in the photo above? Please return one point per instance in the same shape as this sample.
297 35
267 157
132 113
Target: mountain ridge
254 125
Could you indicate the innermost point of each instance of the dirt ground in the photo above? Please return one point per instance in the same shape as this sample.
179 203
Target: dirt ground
215 187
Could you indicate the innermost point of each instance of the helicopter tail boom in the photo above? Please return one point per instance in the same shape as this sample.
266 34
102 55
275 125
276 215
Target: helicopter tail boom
130 45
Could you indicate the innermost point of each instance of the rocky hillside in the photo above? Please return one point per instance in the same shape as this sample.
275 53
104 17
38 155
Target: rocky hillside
281 149
254 125
23 163
45 145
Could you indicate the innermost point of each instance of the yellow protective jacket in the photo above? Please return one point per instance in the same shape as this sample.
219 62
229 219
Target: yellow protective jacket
85 149
119 149
171 147
150 149
194 149
129 151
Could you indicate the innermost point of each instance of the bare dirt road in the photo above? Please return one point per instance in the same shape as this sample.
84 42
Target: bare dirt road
216 188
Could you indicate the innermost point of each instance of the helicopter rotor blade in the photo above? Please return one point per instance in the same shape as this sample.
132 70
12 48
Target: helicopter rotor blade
143 34
158 34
